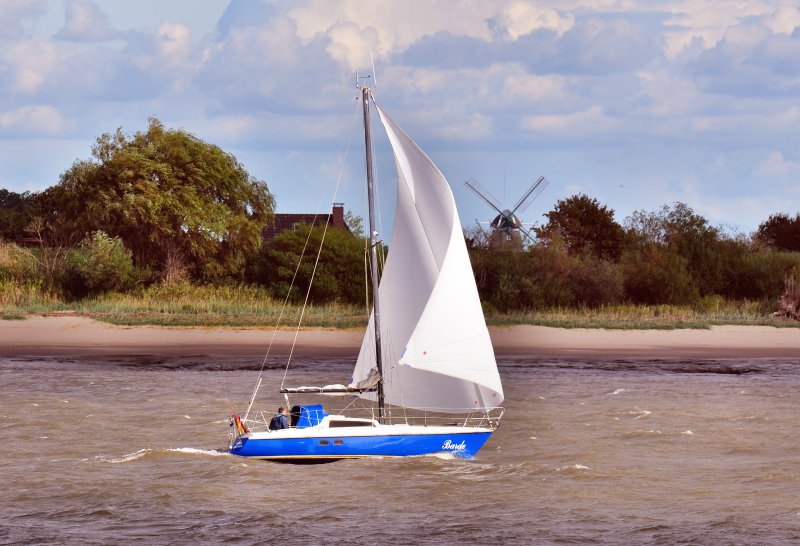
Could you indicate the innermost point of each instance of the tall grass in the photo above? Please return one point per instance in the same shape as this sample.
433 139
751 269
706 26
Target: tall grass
713 311
20 298
249 306
187 305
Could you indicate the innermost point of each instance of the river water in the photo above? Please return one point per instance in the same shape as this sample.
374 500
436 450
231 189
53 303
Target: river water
104 450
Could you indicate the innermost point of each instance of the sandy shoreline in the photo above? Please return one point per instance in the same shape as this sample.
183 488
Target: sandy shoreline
75 336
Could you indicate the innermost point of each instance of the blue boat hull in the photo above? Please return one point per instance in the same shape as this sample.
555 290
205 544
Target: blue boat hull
330 448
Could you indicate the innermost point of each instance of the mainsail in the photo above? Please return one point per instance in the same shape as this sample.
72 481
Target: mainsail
436 349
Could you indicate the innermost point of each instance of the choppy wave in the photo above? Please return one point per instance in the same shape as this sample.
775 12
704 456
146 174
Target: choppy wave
444 456
767 366
128 457
124 458
656 365
198 451
638 413
643 432
575 466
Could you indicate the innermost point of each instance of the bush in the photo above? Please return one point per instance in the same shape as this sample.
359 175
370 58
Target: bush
655 275
545 277
100 264
339 275
757 275
597 282
17 263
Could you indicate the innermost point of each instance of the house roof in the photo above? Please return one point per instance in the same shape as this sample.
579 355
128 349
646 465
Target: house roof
288 221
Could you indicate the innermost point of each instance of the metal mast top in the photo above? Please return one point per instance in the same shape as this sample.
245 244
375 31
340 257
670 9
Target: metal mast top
373 240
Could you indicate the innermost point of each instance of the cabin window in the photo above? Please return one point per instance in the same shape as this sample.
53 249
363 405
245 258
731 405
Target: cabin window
324 442
338 442
337 424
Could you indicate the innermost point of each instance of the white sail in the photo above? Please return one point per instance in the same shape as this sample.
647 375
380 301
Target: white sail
436 349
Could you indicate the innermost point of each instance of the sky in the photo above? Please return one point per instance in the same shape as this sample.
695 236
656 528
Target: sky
635 103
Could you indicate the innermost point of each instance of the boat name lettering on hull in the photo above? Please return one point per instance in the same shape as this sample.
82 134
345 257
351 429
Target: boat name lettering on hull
454 447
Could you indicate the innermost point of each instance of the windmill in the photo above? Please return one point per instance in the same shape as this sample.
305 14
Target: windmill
507 225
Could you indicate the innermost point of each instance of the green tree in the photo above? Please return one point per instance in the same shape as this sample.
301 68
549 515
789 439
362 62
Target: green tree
688 235
497 276
16 212
355 223
171 197
339 275
780 232
655 275
584 226
544 276
99 264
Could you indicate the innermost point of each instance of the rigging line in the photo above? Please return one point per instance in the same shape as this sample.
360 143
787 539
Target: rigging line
352 402
321 244
366 279
294 276
277 324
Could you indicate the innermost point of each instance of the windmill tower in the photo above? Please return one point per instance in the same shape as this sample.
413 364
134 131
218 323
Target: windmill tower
507 228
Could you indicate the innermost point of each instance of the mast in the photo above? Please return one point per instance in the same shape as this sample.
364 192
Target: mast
373 240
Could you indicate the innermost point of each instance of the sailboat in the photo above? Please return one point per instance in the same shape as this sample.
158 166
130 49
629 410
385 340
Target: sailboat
426 354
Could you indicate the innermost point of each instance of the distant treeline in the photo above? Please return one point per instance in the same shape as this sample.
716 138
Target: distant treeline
161 207
584 258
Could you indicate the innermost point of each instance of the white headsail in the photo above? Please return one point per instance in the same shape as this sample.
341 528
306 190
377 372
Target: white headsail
436 349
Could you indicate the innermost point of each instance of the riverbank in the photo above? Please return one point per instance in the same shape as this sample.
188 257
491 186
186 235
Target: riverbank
253 307
74 336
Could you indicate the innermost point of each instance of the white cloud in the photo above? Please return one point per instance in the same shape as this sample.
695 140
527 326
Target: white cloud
474 127
708 21
351 46
32 120
776 166
586 122
396 24
669 96
30 62
520 18
784 20
268 67
230 128
519 87
85 22
15 13
174 42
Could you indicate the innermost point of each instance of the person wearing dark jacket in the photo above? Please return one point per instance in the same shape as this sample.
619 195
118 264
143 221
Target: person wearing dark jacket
280 420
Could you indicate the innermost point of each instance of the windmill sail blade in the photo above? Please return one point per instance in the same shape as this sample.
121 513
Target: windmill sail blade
484 194
527 233
528 197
